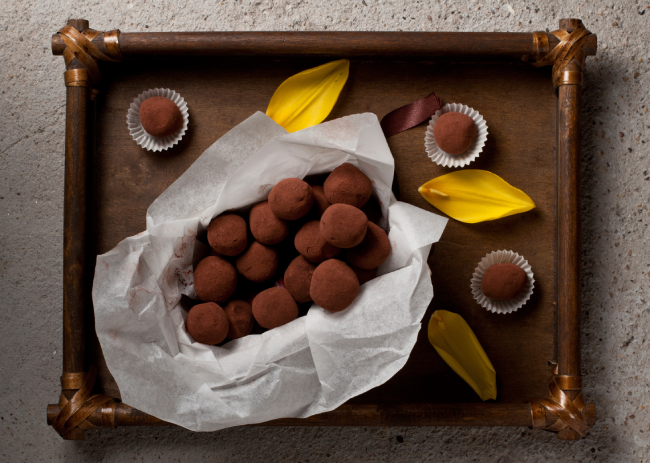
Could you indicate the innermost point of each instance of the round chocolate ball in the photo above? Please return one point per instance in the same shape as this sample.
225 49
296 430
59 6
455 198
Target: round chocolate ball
348 185
258 263
274 307
343 225
291 199
160 116
372 251
334 285
227 234
310 243
266 227
320 201
240 318
297 278
215 279
503 281
364 276
454 132
207 323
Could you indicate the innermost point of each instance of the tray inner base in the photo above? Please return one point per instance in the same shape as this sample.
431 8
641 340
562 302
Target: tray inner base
518 104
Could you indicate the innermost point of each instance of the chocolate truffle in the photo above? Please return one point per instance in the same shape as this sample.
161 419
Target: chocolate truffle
215 279
348 185
291 198
266 227
320 201
503 281
334 285
160 116
240 318
310 243
373 250
227 234
372 209
207 323
274 307
297 278
343 225
364 276
258 263
454 132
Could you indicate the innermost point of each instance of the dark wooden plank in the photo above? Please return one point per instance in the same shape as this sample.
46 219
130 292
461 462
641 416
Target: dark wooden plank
517 102
520 149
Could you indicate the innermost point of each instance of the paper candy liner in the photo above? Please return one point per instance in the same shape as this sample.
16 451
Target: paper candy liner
511 305
140 135
461 160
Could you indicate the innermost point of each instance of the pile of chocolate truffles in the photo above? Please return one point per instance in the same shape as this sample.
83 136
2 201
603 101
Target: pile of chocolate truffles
307 243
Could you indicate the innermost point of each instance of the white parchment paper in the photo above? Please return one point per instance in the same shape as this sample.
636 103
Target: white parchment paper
311 365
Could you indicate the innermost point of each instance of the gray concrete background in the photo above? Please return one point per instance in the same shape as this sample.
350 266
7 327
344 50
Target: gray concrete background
616 257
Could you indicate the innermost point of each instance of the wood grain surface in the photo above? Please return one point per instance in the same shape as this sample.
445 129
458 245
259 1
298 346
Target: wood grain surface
370 415
491 45
518 104
568 271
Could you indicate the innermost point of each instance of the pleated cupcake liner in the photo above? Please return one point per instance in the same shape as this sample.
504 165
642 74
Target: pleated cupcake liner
445 159
510 305
140 135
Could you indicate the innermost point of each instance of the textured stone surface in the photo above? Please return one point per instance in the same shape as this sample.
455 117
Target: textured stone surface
616 257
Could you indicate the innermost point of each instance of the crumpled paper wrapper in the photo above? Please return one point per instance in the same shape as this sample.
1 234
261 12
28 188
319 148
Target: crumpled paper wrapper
311 365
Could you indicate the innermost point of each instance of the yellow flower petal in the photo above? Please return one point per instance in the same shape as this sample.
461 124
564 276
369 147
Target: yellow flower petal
456 343
473 196
307 98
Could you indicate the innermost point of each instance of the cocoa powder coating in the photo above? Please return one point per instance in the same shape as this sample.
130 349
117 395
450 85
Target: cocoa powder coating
334 285
240 318
343 226
291 199
372 251
348 185
320 201
160 116
503 281
297 278
207 323
454 132
266 227
274 307
227 234
215 279
310 243
258 263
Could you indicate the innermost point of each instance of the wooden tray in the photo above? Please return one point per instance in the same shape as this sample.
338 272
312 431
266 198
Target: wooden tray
534 144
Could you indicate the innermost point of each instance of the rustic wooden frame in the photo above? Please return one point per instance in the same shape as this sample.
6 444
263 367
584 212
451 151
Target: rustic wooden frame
564 411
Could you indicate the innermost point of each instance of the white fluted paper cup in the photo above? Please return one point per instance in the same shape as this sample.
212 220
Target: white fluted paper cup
141 136
444 159
511 305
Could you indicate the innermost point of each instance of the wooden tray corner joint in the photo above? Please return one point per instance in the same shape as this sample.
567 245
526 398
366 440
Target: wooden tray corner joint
564 410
